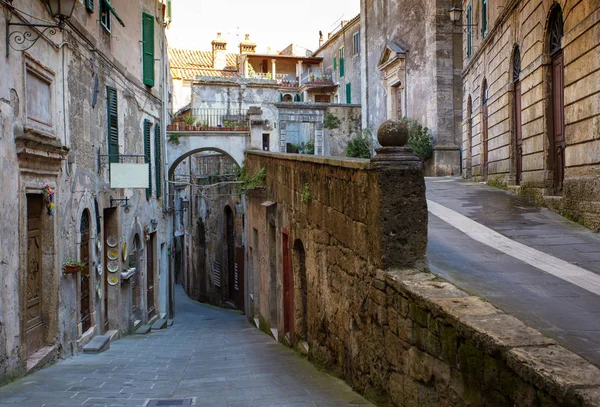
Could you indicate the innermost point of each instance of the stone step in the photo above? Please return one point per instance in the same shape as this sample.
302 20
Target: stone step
159 324
143 330
112 334
170 322
98 344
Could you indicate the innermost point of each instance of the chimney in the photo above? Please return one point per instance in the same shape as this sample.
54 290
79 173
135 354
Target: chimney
247 46
320 38
219 51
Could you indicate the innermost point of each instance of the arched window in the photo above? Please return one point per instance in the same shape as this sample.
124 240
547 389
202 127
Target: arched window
516 64
484 130
556 29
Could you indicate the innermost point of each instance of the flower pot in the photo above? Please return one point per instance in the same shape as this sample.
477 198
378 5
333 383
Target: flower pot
71 269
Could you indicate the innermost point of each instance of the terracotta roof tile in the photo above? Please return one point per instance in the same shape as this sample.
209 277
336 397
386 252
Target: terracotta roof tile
187 64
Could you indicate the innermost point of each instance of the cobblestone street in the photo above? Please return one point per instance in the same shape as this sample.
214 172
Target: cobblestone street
211 354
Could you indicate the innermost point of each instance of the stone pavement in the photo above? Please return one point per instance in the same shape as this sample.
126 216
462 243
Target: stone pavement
567 312
209 353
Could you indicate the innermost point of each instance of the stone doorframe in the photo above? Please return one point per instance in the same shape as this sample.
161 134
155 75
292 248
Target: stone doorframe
298 113
86 202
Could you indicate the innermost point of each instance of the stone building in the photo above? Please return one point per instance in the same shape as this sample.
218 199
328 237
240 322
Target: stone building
411 58
341 60
530 101
72 105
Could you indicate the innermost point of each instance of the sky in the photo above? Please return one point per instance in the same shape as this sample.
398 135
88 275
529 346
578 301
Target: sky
273 23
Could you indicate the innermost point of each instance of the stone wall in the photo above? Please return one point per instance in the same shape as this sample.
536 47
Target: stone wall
336 140
360 304
524 26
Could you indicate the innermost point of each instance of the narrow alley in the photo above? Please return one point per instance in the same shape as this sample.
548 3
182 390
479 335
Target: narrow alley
543 269
210 354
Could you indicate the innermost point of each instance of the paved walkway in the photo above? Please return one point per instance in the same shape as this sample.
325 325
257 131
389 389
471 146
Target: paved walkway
209 353
528 261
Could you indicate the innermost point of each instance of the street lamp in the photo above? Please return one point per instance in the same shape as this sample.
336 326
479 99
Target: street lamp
455 14
22 40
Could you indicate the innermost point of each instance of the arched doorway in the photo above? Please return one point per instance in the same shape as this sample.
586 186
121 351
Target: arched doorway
84 275
557 139
517 121
302 287
288 287
134 262
484 130
230 237
469 163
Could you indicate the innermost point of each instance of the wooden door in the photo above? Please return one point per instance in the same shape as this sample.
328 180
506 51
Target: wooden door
558 109
240 255
518 135
484 142
288 287
34 323
230 231
85 315
150 276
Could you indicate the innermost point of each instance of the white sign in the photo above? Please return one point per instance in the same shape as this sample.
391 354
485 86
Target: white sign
129 175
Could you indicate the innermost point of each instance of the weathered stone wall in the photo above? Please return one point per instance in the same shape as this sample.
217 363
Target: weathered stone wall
430 81
336 140
524 24
362 307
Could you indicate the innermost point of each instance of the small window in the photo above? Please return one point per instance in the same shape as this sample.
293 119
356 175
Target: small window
356 43
484 16
105 14
469 31
89 5
348 94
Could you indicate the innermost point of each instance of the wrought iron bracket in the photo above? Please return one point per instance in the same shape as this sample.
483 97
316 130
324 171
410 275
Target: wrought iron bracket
118 201
27 34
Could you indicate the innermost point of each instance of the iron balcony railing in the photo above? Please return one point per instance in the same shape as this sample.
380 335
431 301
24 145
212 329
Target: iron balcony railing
314 76
283 79
209 119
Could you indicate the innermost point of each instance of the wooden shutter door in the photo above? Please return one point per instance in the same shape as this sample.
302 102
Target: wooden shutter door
158 159
147 157
148 48
113 125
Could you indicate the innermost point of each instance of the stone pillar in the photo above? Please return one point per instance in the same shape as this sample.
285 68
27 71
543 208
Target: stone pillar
246 67
402 204
273 69
299 70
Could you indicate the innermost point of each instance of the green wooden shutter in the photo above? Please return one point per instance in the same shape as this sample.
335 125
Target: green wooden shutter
169 14
147 157
348 93
342 70
148 48
483 18
158 159
89 5
334 63
112 116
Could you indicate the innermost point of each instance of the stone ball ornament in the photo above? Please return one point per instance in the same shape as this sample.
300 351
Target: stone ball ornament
393 133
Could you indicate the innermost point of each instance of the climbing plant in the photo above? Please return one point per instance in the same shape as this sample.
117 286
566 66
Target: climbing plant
419 139
360 145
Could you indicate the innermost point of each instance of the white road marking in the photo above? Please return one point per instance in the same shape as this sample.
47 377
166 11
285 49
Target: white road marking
559 268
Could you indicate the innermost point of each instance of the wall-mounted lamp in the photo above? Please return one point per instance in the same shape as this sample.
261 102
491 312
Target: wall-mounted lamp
126 205
456 15
21 40
154 224
185 203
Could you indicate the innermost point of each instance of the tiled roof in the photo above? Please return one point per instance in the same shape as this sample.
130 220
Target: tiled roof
187 64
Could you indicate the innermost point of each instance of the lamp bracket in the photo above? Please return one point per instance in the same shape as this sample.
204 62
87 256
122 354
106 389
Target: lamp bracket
118 200
27 34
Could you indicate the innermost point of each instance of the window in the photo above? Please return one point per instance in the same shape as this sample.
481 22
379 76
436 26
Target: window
158 159
342 62
89 5
169 13
484 21
348 94
469 31
147 156
334 64
113 124
148 48
105 14
356 43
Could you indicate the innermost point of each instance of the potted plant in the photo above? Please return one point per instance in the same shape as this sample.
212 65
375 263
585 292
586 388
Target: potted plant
72 267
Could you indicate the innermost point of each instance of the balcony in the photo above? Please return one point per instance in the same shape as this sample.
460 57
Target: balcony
211 120
315 77
283 79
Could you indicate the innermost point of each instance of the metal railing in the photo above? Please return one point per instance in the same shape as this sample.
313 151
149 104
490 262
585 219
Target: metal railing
314 76
283 79
210 119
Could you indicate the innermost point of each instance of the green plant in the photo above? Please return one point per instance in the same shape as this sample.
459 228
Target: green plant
306 195
419 139
360 145
174 138
190 119
331 122
74 263
269 76
248 181
251 71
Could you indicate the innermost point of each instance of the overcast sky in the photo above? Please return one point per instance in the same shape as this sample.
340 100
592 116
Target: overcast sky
274 23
